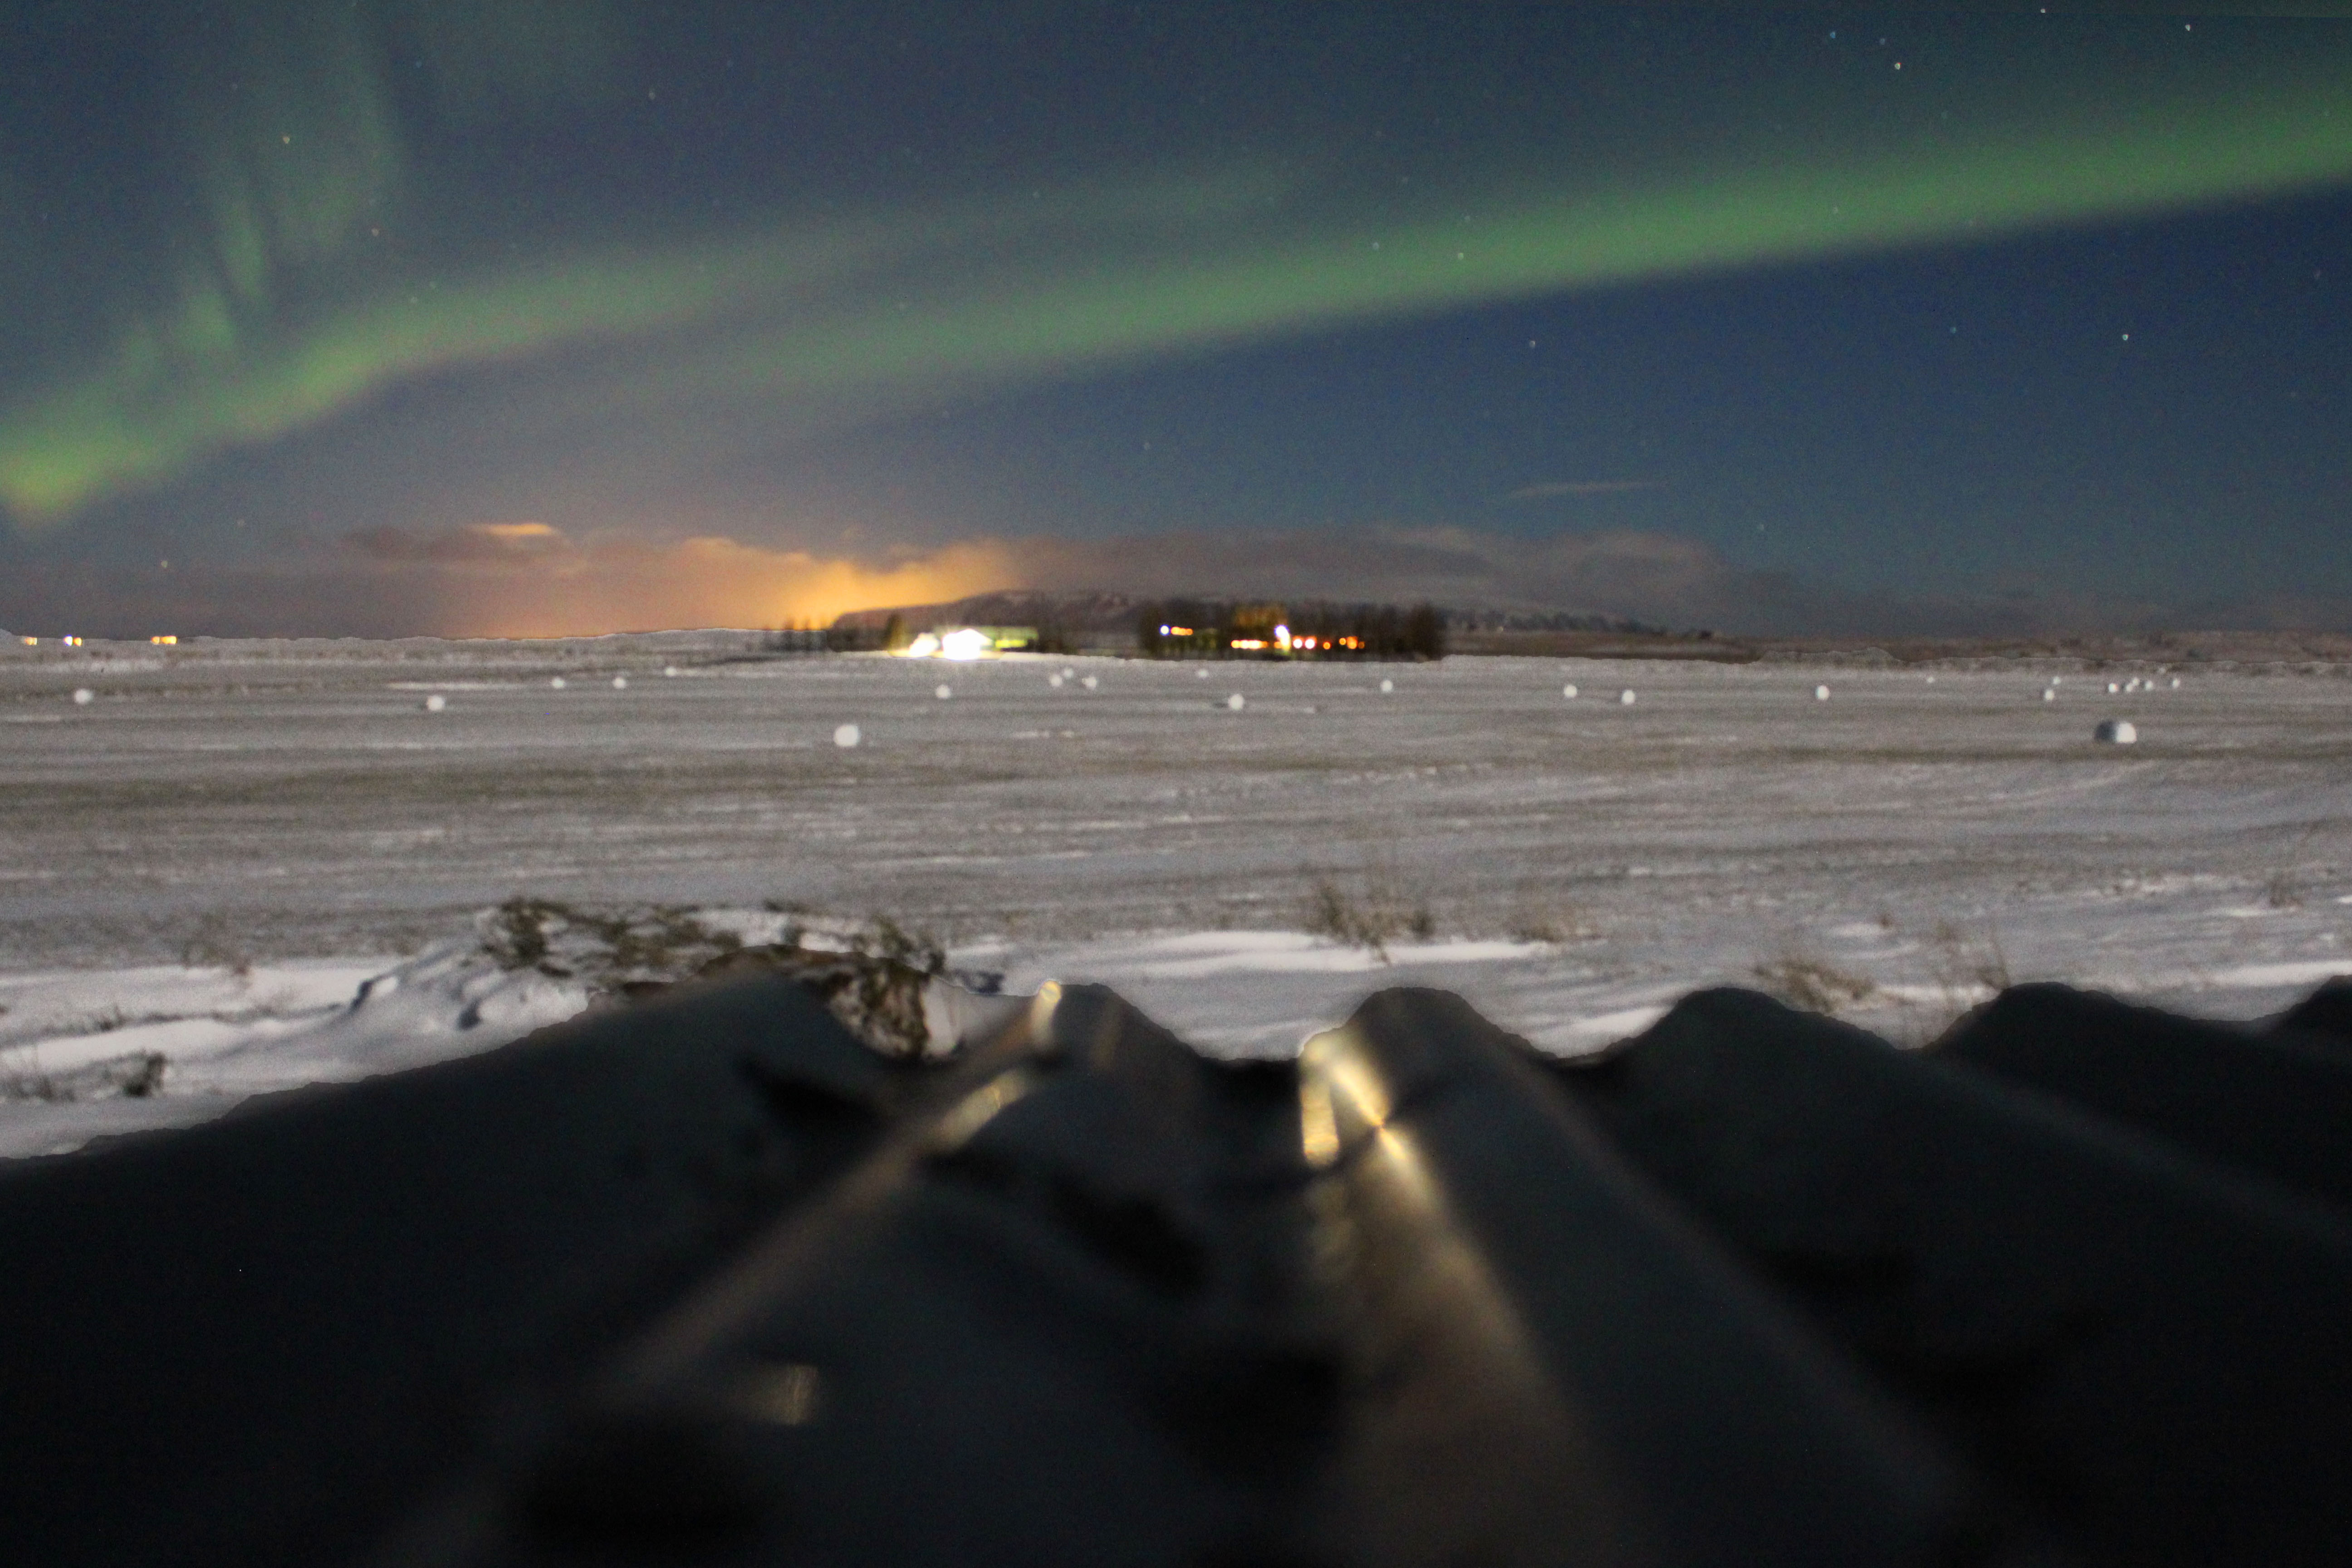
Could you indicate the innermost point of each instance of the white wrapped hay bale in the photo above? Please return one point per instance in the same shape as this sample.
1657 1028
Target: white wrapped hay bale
2115 732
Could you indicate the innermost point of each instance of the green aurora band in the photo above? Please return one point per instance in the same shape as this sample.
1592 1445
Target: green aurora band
860 317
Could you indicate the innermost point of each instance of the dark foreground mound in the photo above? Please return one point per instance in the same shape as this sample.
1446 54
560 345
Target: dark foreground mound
706 1282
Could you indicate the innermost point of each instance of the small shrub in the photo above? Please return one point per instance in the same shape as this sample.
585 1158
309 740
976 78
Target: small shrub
1966 964
1812 984
212 946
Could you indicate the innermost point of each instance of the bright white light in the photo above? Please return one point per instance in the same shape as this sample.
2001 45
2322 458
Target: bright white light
670 670
925 645
1391 685
943 691
1821 694
1568 691
1236 702
435 703
1089 683
557 683
846 737
1626 697
619 683
966 643
84 697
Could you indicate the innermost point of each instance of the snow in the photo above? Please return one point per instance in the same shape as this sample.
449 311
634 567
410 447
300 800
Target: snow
226 1035
212 870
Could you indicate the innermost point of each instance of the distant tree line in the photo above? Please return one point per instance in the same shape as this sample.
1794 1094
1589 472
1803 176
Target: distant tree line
1203 628
796 637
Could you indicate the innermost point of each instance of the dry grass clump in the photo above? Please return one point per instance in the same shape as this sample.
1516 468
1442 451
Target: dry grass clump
135 1077
1372 920
1540 917
871 976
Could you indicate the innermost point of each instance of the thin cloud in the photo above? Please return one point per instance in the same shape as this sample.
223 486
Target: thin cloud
1547 489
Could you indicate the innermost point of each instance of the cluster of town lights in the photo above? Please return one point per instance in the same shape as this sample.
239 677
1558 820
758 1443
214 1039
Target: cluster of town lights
166 640
1283 642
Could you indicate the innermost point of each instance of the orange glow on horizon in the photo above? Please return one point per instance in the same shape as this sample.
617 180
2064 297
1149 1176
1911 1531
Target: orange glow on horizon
562 588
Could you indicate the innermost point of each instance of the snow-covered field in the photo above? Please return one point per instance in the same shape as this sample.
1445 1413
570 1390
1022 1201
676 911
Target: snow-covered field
207 859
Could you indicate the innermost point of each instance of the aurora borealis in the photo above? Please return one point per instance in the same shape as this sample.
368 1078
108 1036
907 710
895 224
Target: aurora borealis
1827 293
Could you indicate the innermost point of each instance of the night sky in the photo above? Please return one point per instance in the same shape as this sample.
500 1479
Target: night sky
535 316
